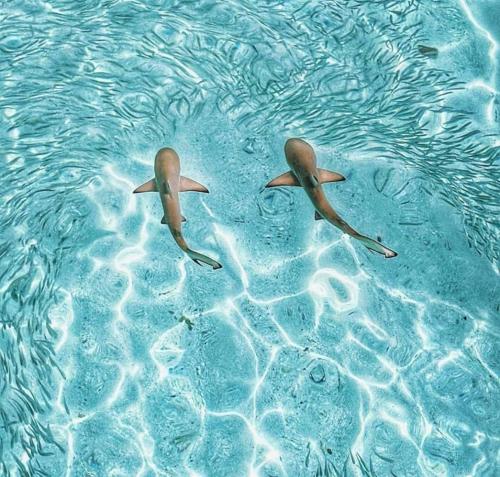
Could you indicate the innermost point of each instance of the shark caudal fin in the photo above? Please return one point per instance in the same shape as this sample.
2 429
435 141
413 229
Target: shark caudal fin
199 258
371 244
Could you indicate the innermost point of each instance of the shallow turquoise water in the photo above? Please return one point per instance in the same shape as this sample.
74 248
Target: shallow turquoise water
305 354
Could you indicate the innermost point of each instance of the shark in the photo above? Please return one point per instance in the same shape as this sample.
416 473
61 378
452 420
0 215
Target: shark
304 173
168 183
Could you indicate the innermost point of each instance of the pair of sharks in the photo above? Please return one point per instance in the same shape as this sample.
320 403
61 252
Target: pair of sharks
304 173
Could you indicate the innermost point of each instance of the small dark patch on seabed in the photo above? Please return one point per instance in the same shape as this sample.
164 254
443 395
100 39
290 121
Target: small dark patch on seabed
317 374
188 322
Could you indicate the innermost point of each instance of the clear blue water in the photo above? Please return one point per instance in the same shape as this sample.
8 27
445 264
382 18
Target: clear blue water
305 354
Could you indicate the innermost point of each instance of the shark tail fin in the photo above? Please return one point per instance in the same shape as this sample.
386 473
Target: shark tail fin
375 246
199 258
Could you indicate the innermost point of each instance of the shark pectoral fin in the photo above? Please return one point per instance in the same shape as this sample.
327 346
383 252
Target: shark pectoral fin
149 186
187 184
329 176
317 215
286 179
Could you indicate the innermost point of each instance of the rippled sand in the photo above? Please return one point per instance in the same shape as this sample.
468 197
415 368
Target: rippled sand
305 355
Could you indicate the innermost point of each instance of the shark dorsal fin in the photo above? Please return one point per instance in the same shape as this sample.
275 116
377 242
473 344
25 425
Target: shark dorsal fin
165 187
313 180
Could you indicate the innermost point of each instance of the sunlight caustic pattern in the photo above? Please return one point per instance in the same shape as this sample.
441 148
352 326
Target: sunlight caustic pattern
214 374
305 355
